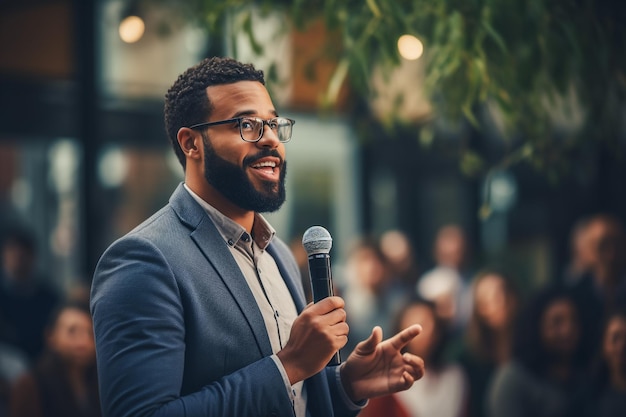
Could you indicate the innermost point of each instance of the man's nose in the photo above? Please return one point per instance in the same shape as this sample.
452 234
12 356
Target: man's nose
269 137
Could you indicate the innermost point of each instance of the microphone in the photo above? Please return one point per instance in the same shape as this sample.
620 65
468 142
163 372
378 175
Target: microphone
317 243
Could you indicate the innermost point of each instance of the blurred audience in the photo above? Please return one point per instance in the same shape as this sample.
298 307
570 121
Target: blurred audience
401 258
63 382
302 259
78 292
608 268
582 245
443 390
603 263
372 297
25 298
607 385
488 350
546 373
448 282
488 342
13 364
603 286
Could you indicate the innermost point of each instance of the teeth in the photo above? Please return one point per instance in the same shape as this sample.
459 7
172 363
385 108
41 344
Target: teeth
264 164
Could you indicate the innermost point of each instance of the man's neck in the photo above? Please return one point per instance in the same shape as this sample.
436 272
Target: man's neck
245 218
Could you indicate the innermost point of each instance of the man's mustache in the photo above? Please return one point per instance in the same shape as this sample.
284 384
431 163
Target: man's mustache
251 159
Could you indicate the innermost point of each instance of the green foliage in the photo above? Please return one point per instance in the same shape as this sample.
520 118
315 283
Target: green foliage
524 58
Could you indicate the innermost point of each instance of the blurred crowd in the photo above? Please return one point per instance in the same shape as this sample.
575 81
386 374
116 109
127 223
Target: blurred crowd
493 346
47 349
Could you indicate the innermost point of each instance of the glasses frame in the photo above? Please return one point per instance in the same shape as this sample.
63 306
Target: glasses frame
239 120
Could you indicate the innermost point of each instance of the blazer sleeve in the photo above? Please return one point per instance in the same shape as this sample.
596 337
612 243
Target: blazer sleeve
140 341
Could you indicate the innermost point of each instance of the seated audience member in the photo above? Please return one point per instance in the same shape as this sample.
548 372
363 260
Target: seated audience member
583 249
25 299
371 297
488 341
604 286
442 391
545 376
63 383
401 258
607 389
448 282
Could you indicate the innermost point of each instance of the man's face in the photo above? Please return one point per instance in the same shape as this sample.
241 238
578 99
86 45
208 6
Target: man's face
249 175
233 181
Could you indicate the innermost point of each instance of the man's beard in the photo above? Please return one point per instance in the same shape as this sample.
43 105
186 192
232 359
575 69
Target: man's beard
233 183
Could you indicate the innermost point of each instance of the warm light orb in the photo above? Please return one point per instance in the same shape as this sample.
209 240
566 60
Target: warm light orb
132 29
410 47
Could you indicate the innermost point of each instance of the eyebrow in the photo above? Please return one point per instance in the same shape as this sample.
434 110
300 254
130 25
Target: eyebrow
250 113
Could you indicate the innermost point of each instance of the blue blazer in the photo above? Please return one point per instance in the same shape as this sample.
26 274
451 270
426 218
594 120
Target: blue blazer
178 331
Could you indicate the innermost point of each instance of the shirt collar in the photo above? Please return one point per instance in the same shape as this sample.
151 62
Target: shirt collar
231 231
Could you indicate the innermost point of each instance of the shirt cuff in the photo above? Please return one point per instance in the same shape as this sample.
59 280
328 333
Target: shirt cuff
351 405
282 371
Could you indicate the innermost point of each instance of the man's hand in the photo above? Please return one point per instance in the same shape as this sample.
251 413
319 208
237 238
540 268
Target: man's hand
377 368
316 334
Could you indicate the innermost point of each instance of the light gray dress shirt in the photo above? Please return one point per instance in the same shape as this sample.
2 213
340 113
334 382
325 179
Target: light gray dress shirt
269 289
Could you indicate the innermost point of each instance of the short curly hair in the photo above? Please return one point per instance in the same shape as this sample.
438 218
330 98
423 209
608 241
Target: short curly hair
186 102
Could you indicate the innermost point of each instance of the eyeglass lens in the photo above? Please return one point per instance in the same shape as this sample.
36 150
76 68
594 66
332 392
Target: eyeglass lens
252 128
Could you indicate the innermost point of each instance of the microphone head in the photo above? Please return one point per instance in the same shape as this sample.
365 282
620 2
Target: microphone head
316 239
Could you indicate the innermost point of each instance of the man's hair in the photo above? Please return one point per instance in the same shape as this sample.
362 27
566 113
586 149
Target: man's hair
187 103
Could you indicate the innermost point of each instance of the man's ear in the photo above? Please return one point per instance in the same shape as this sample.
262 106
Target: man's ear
190 142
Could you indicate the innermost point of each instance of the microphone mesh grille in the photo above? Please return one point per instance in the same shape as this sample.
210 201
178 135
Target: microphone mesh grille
316 239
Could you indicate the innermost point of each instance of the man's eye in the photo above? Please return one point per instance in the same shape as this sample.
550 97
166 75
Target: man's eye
247 124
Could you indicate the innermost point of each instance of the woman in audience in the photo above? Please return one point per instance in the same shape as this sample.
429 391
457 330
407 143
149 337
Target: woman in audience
608 383
489 336
442 391
545 375
63 383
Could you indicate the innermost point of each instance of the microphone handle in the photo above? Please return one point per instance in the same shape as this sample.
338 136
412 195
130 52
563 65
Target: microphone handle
321 276
322 285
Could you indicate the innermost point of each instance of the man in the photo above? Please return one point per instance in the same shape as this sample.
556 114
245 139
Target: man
200 310
601 286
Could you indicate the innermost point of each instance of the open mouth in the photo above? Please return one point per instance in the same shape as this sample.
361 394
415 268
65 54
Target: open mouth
266 169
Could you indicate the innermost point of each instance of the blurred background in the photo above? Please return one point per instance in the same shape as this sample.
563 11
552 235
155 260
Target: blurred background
464 155
444 134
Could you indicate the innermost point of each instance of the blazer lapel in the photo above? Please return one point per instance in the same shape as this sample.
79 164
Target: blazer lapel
209 241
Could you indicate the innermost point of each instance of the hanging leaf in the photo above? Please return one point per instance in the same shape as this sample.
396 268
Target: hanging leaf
511 54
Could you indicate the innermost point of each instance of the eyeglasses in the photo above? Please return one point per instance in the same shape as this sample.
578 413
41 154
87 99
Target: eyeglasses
251 129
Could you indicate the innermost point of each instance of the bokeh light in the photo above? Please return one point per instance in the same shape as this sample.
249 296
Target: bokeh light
410 47
132 29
